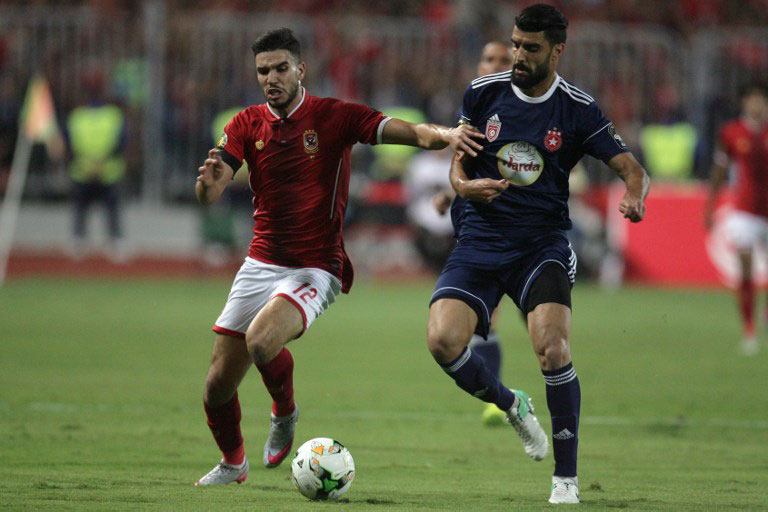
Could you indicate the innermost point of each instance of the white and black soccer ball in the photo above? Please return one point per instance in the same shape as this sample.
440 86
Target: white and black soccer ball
322 469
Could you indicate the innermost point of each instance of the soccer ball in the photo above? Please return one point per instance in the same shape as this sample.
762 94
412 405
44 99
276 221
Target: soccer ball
322 469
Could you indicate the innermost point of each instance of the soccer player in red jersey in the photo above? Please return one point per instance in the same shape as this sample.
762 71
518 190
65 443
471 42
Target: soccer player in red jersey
743 142
298 152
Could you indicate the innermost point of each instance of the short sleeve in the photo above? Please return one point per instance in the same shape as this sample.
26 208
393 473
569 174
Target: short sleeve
232 141
362 123
600 137
467 114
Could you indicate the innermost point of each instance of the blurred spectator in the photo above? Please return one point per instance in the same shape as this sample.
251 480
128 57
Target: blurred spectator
669 142
96 131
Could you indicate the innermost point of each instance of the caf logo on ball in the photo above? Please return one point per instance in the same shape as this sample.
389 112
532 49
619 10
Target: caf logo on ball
520 163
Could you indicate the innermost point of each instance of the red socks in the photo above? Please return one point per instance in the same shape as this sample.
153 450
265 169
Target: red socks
224 422
746 293
278 378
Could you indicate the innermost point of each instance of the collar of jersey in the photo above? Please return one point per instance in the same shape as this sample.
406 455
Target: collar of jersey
297 107
538 99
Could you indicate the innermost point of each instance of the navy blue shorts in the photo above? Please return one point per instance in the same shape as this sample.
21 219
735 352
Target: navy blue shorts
479 273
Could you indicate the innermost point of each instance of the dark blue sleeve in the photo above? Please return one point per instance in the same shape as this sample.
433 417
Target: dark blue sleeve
600 138
467 114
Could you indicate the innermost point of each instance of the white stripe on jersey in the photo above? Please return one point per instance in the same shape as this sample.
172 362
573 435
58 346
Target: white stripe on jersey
336 186
598 131
577 91
573 96
483 84
492 76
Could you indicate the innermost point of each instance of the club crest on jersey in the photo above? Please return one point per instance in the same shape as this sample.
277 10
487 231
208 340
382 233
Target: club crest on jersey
553 140
259 144
492 128
222 141
310 141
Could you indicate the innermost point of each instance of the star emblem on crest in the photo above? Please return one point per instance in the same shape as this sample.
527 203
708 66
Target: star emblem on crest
553 140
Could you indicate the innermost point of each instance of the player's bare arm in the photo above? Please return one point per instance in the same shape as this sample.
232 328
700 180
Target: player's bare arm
632 205
432 136
717 177
483 190
215 175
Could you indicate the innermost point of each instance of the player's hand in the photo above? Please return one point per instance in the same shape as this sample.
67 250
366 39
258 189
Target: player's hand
633 208
482 190
462 140
212 169
442 200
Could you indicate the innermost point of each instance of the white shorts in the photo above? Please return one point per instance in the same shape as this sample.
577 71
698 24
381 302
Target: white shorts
745 230
311 290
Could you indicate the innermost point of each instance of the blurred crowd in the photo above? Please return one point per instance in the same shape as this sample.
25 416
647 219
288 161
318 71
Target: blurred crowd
666 72
369 64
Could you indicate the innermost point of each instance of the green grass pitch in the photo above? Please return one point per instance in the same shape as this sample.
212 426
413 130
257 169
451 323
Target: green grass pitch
101 385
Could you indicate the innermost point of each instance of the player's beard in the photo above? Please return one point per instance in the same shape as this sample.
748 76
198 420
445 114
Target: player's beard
291 95
533 78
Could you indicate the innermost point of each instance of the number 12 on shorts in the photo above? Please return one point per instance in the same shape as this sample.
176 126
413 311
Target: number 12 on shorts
309 293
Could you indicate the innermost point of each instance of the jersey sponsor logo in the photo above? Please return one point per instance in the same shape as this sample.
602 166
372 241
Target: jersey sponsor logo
520 163
553 140
259 144
310 142
222 141
492 128
619 141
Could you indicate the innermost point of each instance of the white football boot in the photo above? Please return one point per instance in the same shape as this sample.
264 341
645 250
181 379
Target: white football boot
280 438
224 474
565 490
521 416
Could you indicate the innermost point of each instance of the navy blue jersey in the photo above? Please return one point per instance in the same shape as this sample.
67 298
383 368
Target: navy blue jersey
534 143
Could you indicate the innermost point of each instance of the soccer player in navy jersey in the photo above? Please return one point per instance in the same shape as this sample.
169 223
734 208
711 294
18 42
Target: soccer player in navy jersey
495 57
512 231
298 152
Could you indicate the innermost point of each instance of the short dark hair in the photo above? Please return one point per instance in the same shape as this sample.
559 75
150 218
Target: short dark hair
543 18
278 39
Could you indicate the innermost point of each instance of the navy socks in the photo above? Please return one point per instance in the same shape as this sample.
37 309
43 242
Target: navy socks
471 374
564 402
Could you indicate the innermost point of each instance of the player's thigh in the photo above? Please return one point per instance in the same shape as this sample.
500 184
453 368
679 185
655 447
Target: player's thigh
276 324
549 316
476 288
230 362
299 297
549 326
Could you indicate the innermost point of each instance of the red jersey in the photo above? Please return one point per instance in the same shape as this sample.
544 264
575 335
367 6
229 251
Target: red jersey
748 150
299 174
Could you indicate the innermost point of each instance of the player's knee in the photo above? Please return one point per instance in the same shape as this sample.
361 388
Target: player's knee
553 351
444 345
263 346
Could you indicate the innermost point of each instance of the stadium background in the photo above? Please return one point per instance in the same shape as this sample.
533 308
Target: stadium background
102 362
174 66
